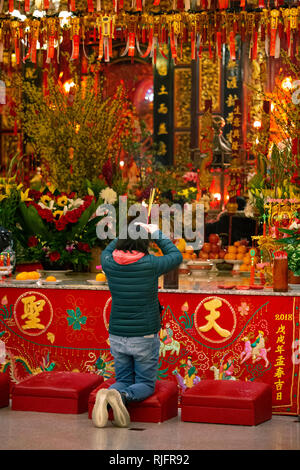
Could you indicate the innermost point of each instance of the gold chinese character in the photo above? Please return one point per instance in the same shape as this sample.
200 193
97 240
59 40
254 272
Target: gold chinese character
163 90
32 309
229 118
279 361
280 349
231 64
279 384
162 129
280 339
231 82
237 110
162 149
162 109
236 134
214 314
279 396
231 100
236 122
234 146
279 372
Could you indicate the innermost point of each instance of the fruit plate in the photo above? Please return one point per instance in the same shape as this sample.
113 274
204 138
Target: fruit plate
96 283
25 281
295 286
224 286
49 283
198 265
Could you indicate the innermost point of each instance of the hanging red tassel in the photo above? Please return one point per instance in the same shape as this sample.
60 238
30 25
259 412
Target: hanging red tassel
274 24
232 45
131 49
90 6
254 47
219 44
193 48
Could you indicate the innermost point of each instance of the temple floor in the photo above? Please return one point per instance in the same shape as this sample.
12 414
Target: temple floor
21 430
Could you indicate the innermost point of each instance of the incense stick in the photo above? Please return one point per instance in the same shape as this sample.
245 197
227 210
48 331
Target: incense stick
151 199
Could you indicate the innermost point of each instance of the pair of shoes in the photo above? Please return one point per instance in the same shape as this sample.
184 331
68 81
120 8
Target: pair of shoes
113 398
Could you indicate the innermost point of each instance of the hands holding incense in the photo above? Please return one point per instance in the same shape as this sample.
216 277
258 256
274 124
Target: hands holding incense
150 228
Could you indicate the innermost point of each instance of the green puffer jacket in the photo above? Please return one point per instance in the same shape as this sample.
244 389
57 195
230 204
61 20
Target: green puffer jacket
134 288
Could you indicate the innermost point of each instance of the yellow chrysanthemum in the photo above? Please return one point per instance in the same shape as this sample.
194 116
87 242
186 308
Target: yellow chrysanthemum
57 214
45 199
62 201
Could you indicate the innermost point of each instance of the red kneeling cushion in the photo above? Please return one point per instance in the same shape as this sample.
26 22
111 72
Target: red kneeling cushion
55 392
159 407
227 402
4 390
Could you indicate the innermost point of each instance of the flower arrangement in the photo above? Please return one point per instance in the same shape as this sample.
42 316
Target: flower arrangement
291 243
59 228
274 181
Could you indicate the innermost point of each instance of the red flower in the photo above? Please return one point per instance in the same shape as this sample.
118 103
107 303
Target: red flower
32 241
72 216
35 195
54 256
61 223
83 246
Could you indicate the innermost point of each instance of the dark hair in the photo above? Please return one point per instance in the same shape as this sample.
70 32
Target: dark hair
128 244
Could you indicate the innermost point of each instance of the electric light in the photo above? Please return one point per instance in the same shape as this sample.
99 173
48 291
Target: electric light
68 85
257 124
286 83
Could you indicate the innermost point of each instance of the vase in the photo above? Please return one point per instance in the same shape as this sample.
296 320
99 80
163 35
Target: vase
293 279
96 259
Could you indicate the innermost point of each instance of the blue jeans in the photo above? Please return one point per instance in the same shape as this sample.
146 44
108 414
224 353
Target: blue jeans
136 365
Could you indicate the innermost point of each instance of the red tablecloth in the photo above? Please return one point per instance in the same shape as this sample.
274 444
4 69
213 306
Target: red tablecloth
204 336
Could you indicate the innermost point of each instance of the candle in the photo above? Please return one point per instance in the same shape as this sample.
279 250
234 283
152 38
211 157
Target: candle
264 225
252 268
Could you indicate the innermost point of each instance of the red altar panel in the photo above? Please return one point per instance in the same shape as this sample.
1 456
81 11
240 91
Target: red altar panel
203 336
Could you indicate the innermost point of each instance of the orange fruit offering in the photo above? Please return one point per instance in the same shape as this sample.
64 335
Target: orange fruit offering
244 267
33 275
51 279
23 276
100 277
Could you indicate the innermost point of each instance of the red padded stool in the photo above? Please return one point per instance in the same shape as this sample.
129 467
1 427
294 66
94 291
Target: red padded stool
159 407
55 392
4 390
227 402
